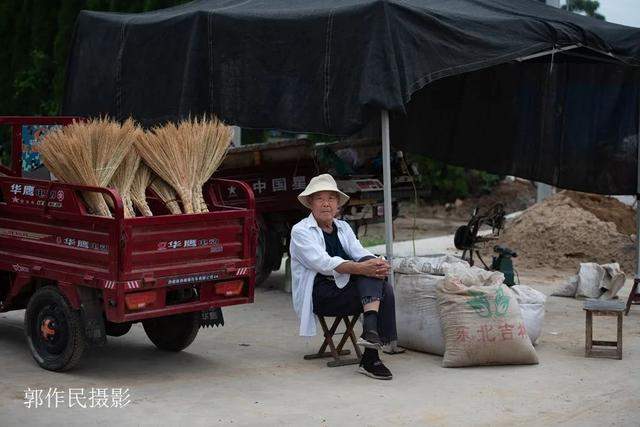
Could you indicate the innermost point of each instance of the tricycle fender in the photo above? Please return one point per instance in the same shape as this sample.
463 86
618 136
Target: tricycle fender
70 292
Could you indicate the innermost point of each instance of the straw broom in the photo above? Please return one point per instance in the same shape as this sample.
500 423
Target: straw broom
138 190
166 194
211 139
144 179
110 143
169 155
67 153
123 180
191 133
88 153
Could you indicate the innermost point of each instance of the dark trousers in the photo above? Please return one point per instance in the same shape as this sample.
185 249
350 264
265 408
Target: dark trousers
329 300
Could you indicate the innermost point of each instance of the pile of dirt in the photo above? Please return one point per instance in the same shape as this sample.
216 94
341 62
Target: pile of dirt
515 195
607 209
570 228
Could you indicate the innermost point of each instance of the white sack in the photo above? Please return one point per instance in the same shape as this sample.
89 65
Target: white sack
430 264
590 277
567 289
531 304
417 317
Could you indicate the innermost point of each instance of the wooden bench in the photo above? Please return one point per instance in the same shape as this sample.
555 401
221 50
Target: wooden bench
634 296
603 308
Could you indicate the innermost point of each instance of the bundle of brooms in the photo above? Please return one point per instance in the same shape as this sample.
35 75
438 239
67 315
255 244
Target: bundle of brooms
89 153
178 161
184 157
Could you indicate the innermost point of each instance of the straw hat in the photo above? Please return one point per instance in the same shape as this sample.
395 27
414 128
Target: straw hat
324 182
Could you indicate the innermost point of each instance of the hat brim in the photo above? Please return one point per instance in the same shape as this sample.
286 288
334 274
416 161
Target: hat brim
304 198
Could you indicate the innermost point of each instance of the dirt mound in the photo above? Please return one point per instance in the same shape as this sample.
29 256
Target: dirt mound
563 231
514 195
607 209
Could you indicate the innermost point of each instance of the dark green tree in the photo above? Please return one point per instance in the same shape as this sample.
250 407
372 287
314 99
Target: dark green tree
65 24
588 7
36 37
7 28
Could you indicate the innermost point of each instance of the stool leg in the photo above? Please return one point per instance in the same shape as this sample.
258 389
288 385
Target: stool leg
328 336
346 333
333 350
589 335
632 296
351 334
619 336
328 333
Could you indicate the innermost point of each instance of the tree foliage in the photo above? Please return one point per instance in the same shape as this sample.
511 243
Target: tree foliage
588 7
36 37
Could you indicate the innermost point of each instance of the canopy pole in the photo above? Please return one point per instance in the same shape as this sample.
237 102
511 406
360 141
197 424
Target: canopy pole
637 276
386 175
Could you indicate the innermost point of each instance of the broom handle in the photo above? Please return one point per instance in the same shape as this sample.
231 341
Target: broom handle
117 200
118 205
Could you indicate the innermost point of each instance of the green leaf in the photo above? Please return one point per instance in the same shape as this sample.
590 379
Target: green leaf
480 304
502 303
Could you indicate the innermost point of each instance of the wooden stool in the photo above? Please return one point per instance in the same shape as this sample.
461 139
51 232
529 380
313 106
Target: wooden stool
603 308
336 351
634 296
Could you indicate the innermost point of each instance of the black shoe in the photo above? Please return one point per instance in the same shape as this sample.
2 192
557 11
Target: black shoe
375 369
370 339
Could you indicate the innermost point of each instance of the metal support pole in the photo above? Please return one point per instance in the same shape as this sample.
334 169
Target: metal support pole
236 141
638 229
545 190
637 276
386 175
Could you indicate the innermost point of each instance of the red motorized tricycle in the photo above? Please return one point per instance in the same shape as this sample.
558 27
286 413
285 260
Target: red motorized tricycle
82 277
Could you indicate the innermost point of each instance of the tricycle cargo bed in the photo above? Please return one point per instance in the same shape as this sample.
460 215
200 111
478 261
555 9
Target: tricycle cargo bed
45 233
183 244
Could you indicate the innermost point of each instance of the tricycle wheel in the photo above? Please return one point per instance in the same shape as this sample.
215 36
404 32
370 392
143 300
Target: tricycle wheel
173 333
53 330
117 329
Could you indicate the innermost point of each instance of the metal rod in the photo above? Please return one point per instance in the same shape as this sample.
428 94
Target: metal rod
637 234
386 175
548 52
236 141
638 198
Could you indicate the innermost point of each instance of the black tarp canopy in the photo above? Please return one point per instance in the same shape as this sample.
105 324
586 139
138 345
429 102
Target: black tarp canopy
457 77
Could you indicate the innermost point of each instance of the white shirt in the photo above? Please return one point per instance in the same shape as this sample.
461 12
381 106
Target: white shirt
309 256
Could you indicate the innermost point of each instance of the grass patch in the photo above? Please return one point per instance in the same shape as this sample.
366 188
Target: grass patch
372 241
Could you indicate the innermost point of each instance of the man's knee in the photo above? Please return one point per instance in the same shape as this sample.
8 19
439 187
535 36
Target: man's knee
369 281
366 258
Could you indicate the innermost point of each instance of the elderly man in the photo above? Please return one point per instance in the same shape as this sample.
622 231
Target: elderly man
332 272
